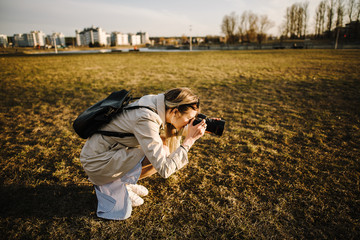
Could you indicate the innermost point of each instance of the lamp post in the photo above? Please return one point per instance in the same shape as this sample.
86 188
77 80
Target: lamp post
53 38
337 38
56 51
190 40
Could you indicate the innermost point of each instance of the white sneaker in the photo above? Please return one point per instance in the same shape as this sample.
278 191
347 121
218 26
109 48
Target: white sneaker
138 189
135 199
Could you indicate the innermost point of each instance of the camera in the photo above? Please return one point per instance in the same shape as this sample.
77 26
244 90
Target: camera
213 126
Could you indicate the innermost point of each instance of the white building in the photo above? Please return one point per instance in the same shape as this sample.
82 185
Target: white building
20 40
144 37
92 36
57 39
108 39
32 39
118 39
3 40
134 39
39 38
78 38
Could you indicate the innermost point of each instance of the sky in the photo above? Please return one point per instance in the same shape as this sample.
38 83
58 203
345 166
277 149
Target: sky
157 17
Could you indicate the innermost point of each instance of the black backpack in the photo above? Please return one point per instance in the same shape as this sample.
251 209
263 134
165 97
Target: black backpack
101 113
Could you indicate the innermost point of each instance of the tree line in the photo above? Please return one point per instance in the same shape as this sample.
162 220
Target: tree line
329 14
248 27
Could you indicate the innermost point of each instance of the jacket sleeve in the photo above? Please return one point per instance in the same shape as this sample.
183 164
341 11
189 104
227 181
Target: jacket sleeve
146 130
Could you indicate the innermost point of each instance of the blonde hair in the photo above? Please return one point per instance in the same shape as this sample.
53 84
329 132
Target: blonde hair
182 99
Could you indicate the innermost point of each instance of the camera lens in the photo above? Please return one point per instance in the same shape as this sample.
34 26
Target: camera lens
215 126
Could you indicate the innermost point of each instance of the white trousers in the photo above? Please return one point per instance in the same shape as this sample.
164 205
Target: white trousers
113 198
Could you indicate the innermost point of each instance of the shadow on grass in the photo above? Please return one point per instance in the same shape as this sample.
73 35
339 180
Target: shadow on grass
47 201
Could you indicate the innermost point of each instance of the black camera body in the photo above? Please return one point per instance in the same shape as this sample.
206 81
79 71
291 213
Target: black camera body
213 126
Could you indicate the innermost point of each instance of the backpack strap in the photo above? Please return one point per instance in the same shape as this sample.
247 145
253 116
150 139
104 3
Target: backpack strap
122 135
136 107
115 134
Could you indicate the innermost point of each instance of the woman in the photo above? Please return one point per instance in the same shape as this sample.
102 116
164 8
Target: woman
115 164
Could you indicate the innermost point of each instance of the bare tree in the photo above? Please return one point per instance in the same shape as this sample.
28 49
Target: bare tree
264 25
330 15
299 21
243 26
290 21
340 13
287 23
253 26
350 9
358 11
296 20
249 27
293 20
306 16
320 18
317 23
228 27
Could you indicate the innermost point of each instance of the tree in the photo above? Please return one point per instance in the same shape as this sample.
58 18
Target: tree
299 21
292 20
286 28
248 26
350 9
243 26
358 11
162 41
264 25
330 15
253 26
322 13
306 16
184 39
228 27
212 39
296 20
340 13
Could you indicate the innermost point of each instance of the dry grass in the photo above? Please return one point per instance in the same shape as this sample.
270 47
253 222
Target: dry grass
287 166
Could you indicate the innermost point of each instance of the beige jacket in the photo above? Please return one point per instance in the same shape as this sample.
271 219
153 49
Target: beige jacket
106 159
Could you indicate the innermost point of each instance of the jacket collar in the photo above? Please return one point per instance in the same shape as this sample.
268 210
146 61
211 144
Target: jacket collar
157 102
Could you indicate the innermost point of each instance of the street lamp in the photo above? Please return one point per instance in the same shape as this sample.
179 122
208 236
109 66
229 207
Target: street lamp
190 39
54 41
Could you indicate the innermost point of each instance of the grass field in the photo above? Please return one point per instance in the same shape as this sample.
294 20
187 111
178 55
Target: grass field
287 166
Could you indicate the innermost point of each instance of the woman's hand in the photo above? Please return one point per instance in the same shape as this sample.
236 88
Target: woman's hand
194 132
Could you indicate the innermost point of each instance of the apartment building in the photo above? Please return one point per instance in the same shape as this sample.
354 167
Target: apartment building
139 38
57 39
23 40
92 36
118 39
134 39
144 37
39 38
32 39
3 40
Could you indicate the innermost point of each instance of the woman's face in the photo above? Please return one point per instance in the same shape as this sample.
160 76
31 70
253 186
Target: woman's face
181 120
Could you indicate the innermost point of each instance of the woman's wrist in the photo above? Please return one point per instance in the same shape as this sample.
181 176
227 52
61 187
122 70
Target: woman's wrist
186 147
187 143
